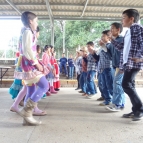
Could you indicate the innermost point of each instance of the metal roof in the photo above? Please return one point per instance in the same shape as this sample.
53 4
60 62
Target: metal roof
69 9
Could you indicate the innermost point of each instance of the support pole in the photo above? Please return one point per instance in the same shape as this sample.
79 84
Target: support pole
63 36
52 33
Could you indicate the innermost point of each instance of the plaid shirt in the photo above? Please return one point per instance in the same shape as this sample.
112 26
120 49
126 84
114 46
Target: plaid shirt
104 61
136 49
91 63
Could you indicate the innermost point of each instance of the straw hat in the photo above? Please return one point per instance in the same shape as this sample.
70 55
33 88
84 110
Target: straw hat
84 49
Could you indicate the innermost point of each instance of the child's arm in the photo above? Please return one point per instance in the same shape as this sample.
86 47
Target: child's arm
118 45
27 46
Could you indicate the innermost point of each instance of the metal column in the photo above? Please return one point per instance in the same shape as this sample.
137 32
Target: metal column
52 33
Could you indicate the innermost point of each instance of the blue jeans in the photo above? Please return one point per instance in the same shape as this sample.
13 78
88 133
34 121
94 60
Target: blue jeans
100 84
65 68
71 71
107 84
91 87
118 92
83 83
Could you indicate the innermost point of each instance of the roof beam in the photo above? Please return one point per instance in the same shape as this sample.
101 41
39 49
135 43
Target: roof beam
56 18
69 4
13 6
44 10
84 8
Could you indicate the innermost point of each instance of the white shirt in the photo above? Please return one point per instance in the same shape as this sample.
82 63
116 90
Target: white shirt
127 46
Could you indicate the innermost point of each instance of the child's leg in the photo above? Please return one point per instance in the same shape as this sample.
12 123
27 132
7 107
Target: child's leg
20 96
118 92
91 89
52 87
105 90
70 72
42 88
30 91
128 85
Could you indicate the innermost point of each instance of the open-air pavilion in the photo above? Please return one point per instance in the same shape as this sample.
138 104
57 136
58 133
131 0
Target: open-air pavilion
70 117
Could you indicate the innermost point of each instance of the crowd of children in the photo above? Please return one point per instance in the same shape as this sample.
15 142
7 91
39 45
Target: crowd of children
116 64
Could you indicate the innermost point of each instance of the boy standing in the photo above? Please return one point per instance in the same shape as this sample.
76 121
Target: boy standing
105 68
63 64
91 71
71 67
118 100
131 49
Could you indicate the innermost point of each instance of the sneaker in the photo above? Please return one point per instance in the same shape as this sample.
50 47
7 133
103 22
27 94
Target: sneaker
105 103
77 89
100 99
113 108
138 116
129 115
91 96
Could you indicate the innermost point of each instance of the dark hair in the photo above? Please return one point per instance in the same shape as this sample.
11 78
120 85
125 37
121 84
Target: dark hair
38 29
38 48
90 43
106 32
26 16
63 53
118 26
51 46
46 48
132 13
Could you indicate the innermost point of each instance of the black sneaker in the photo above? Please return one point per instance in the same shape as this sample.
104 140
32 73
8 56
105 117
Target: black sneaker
77 89
129 115
100 99
138 116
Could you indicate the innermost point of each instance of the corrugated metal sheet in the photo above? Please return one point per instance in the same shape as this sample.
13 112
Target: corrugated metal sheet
72 8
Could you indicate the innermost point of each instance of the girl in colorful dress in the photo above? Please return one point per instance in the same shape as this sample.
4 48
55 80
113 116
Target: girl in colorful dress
54 63
33 70
17 84
46 60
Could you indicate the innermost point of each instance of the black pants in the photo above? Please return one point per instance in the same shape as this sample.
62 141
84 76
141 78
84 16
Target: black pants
128 84
78 80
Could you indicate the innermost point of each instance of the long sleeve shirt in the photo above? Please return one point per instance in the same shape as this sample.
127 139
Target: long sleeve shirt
27 44
136 49
91 63
70 62
63 61
116 54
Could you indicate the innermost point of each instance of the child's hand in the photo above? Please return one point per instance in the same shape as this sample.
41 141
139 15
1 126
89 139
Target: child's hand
101 43
39 67
137 60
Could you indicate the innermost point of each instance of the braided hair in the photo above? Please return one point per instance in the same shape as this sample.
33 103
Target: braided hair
26 16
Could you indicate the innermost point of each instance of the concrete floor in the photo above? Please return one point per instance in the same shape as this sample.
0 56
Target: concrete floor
70 119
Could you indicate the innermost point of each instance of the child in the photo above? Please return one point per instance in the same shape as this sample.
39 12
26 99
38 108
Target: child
38 49
17 84
46 60
33 71
91 71
83 77
118 100
131 49
63 64
105 69
78 67
71 67
56 83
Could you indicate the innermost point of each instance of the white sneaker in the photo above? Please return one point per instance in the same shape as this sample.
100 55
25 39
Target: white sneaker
91 96
113 108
